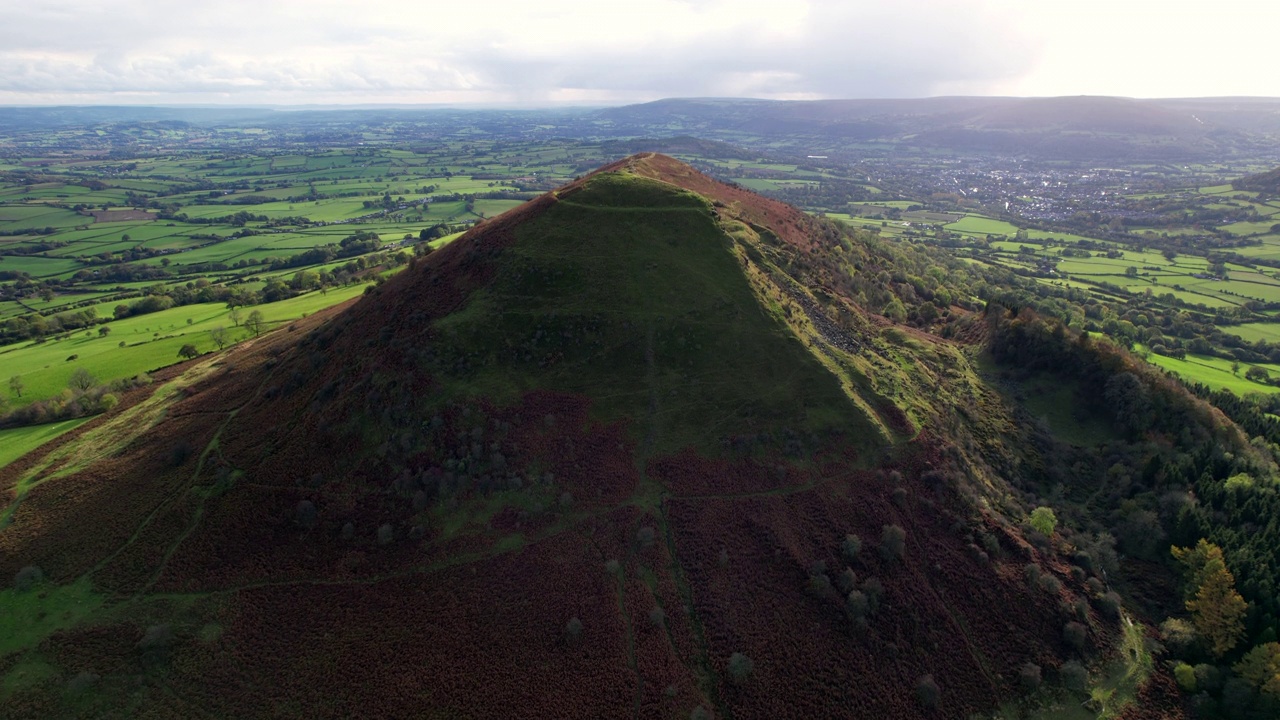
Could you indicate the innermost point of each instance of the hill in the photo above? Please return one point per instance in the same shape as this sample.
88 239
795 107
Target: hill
1075 128
635 447
1267 182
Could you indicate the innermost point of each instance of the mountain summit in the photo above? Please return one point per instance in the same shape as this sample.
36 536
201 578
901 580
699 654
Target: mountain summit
631 449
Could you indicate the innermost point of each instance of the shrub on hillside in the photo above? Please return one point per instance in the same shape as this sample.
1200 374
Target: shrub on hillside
740 668
927 691
657 616
180 452
893 542
156 643
1050 584
850 547
573 628
1029 677
27 578
874 590
304 515
1110 605
1073 676
1075 635
857 605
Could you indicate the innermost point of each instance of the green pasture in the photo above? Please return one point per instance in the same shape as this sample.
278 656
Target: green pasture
16 442
1253 332
1245 229
18 217
62 300
978 225
1214 372
493 208
39 267
150 342
759 184
878 204
1216 190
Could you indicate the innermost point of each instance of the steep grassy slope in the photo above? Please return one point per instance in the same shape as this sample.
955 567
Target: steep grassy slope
571 465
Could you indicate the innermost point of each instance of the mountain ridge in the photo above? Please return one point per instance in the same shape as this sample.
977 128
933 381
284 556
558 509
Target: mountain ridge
611 439
1068 127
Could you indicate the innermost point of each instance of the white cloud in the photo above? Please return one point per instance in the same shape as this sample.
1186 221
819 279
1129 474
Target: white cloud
553 51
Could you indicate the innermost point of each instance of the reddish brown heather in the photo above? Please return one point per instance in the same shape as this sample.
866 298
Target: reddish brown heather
470 618
783 220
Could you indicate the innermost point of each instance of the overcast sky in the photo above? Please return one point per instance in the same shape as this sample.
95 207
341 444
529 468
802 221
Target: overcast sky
607 52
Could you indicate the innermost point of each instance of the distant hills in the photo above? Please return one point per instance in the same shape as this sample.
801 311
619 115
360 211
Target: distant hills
1267 182
1064 127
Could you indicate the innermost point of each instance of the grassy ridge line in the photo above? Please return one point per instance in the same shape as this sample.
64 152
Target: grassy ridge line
669 269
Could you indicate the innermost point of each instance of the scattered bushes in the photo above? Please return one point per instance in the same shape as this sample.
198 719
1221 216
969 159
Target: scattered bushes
1029 677
1031 572
819 581
847 581
304 515
27 578
1186 677
1050 584
155 644
1073 676
1110 605
874 590
1075 635
893 542
927 691
657 616
180 452
1043 520
81 683
850 547
740 668
573 628
857 606
1178 635
74 402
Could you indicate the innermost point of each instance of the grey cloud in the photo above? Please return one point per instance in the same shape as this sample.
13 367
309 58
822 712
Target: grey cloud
844 52
237 48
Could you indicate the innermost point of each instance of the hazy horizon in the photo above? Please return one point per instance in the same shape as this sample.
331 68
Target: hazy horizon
505 55
584 107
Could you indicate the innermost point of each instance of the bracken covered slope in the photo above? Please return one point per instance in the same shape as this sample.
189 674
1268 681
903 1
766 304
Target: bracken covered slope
572 465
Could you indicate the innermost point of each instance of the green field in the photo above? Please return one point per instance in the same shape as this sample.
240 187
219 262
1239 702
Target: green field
16 442
977 225
150 342
1253 332
1215 373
